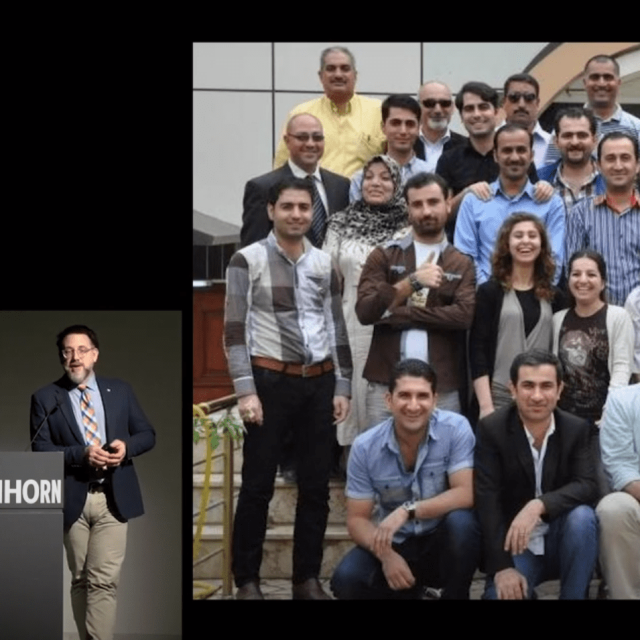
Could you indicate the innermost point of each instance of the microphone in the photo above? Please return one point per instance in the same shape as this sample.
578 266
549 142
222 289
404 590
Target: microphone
46 416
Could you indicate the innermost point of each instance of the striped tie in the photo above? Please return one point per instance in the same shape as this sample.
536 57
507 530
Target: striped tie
91 435
319 220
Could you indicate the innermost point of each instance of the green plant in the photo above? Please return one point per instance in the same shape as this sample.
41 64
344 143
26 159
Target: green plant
206 427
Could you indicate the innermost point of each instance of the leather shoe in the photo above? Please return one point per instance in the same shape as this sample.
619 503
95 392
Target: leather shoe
309 590
249 591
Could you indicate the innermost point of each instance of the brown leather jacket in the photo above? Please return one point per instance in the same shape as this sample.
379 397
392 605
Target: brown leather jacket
448 312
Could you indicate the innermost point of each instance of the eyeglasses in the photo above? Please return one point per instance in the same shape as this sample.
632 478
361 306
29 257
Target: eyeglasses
81 352
429 103
516 95
304 137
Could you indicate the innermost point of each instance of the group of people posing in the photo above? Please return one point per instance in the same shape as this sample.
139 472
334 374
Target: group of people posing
360 309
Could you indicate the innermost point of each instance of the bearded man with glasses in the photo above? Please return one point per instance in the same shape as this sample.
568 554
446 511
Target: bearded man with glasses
99 426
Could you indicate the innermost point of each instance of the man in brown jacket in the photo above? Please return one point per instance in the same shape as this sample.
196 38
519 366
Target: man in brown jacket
419 292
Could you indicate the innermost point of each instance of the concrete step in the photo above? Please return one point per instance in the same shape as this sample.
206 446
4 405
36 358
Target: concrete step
277 554
282 507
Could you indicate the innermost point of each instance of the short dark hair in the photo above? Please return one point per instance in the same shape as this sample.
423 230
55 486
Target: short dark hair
511 128
480 89
328 50
600 263
298 184
602 57
400 101
413 368
77 328
521 77
576 113
535 358
618 135
424 179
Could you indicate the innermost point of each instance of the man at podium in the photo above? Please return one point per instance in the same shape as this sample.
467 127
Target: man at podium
100 427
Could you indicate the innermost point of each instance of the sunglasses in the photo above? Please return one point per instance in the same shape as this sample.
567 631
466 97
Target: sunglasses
516 95
430 103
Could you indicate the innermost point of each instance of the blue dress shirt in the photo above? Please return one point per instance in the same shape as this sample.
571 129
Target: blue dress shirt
478 224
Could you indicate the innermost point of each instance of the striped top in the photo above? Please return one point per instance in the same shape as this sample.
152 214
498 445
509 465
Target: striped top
592 224
285 310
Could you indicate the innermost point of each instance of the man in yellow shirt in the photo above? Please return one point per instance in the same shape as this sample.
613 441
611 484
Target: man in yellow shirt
351 122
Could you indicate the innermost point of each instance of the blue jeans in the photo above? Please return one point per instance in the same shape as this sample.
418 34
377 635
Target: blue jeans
303 406
446 557
571 550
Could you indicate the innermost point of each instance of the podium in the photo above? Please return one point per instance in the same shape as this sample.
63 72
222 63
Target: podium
31 549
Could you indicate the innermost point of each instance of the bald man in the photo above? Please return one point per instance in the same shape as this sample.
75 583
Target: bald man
435 136
304 138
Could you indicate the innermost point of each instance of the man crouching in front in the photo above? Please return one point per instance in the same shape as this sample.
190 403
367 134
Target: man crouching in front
417 469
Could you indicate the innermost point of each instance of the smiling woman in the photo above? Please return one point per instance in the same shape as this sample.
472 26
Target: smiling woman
594 340
377 216
513 309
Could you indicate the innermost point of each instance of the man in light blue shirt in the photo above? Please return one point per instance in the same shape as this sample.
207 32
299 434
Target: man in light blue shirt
400 125
479 221
409 497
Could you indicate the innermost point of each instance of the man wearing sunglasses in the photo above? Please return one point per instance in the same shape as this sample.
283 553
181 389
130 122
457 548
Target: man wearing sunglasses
304 138
520 103
435 136
99 426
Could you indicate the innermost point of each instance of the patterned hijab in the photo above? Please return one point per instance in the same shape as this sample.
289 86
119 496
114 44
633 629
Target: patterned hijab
373 224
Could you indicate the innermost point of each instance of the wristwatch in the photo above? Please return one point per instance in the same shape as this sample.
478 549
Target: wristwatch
416 285
410 508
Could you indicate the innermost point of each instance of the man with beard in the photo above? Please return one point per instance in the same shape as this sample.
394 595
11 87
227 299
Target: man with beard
99 426
479 221
575 175
419 293
435 136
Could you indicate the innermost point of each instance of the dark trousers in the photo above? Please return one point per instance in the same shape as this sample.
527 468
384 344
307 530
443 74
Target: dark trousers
446 557
304 406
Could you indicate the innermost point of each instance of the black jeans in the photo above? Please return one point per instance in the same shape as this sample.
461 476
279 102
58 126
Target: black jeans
304 406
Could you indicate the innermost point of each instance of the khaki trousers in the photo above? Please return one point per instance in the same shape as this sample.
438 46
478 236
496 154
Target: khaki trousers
619 515
95 547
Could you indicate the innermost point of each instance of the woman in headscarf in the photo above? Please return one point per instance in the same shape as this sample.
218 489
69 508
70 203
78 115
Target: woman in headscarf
378 216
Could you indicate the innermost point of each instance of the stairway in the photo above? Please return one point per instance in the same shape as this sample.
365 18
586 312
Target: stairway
278 547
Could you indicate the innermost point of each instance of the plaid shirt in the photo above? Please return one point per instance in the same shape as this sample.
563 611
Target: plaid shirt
593 185
592 224
285 310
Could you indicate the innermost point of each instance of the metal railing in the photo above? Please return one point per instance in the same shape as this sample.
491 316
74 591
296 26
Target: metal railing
207 425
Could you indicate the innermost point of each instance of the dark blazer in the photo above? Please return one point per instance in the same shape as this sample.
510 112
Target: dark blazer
255 221
504 477
125 421
453 141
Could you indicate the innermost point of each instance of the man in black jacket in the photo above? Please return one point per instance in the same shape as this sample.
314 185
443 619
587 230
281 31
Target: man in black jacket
305 140
534 483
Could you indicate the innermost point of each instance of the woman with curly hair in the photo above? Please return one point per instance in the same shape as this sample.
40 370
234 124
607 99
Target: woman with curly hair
379 215
514 308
